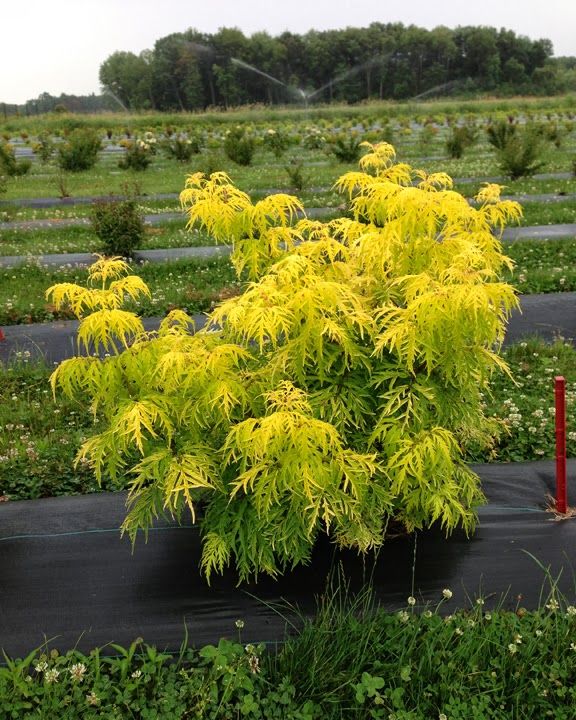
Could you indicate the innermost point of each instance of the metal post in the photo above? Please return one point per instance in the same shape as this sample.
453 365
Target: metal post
560 404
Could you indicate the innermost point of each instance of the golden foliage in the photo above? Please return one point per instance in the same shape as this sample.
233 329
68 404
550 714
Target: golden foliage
338 390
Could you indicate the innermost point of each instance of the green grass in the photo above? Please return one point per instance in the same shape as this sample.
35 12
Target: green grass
523 404
81 239
543 266
194 286
352 661
39 437
554 213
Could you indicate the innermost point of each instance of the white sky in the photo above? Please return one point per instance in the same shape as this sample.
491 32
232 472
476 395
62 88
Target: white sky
57 46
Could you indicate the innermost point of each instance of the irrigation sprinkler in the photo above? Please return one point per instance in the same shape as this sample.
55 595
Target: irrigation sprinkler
560 416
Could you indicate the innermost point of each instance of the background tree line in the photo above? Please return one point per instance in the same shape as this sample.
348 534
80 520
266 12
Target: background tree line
192 70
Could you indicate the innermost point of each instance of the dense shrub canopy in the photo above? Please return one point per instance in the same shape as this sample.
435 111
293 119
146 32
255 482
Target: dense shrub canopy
335 394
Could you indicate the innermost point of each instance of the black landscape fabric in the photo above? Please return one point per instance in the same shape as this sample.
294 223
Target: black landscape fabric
67 576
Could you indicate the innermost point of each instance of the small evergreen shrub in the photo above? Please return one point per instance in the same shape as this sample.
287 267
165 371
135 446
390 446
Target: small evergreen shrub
80 150
554 133
210 163
239 146
427 136
119 226
313 139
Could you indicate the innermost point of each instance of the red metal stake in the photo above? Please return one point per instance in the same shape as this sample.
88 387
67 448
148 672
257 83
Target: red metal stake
2 336
560 402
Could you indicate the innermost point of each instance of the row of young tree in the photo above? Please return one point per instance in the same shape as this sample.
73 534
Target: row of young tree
192 70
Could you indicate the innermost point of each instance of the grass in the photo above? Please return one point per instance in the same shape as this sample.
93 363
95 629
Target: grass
81 239
192 285
523 404
352 661
40 437
543 266
549 213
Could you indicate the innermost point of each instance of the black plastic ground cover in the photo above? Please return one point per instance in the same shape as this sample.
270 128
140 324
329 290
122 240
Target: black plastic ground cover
66 575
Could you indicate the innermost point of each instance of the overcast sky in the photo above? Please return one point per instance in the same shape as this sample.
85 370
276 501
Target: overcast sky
57 46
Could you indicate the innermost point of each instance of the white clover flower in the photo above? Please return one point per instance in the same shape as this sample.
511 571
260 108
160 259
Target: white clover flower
92 698
459 631
254 664
571 610
403 616
573 646
518 639
442 716
51 676
447 594
77 671
513 648
41 667
239 624
538 633
479 601
487 616
552 605
136 674
411 601
427 613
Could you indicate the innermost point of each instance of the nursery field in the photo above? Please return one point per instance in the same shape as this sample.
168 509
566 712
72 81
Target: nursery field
330 399
47 210
143 161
